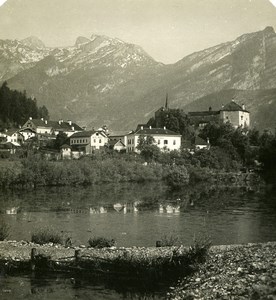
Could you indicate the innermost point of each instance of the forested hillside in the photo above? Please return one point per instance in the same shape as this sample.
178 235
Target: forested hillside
16 108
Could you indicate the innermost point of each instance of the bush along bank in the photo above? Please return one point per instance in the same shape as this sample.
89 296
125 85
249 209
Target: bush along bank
36 171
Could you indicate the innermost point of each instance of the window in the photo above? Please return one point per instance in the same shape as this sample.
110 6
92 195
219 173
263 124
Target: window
100 141
174 142
165 142
241 117
94 140
158 142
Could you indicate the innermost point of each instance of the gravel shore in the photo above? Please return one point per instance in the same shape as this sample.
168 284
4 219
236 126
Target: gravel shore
232 272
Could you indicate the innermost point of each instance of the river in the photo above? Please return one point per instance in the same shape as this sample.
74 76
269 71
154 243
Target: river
133 215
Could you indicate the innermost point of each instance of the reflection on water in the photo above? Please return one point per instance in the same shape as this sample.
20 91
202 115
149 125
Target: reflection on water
62 287
134 215
138 215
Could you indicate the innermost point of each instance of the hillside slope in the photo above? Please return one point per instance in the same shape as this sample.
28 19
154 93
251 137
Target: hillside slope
101 80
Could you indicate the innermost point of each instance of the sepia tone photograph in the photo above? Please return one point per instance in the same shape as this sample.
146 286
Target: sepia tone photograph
137 149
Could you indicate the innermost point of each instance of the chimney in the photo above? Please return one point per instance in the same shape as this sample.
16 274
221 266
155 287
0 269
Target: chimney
30 118
150 127
73 128
46 122
208 141
42 119
60 122
243 106
142 127
164 127
70 122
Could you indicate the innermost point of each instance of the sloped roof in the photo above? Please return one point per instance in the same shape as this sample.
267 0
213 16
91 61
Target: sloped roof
118 133
156 131
56 125
203 113
64 146
10 131
232 106
113 143
200 141
87 133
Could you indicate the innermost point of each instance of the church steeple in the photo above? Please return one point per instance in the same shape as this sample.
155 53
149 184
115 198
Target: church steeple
166 104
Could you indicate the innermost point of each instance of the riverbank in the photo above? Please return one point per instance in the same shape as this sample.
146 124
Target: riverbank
232 272
161 263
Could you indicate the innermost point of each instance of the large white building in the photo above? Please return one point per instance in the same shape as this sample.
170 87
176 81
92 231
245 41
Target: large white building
87 141
165 139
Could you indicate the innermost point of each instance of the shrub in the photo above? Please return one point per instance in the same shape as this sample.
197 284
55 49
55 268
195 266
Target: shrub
169 241
47 235
177 176
101 242
4 230
198 251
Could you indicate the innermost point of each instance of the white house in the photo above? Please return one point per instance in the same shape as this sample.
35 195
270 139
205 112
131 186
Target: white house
27 133
11 136
235 114
165 139
87 141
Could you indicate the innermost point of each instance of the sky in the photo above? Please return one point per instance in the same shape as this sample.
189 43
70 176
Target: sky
168 30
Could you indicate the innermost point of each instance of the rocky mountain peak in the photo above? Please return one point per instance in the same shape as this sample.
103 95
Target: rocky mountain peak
81 40
269 30
33 42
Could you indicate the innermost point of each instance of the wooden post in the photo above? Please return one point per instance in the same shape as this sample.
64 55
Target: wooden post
77 256
33 255
158 244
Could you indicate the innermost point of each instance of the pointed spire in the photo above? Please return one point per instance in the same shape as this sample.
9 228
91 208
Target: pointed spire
166 105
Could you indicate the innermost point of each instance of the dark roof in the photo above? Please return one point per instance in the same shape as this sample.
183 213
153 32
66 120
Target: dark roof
87 133
200 141
113 143
27 129
232 106
159 131
65 146
118 133
57 125
204 113
10 131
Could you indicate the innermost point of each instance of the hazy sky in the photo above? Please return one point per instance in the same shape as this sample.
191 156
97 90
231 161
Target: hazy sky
167 29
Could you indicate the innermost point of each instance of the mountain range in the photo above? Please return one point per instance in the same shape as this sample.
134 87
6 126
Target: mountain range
102 80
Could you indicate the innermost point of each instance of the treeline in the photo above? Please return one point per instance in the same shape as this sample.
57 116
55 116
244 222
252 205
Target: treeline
176 120
16 108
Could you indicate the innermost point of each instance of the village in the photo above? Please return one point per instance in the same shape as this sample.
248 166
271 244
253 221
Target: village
78 141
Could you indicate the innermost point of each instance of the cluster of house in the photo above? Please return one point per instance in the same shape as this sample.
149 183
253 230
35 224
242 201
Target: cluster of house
84 142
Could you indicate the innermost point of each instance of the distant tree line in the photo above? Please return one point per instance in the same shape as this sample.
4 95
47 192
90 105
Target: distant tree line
16 108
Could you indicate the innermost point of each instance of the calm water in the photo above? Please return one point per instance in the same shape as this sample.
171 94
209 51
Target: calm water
134 215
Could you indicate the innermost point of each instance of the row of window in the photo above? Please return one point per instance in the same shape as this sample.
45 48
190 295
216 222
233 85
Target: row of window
165 142
130 141
85 141
80 141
